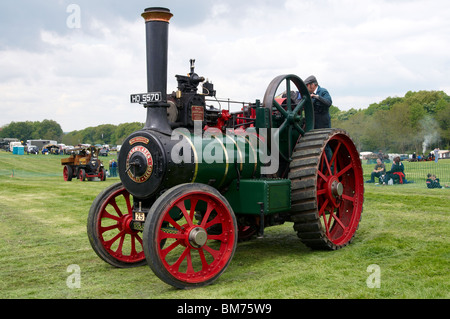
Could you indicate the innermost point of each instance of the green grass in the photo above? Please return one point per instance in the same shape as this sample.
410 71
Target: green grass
404 230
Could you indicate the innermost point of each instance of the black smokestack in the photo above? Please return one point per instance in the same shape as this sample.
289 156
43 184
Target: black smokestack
157 38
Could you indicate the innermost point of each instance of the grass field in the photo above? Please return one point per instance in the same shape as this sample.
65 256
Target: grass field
404 233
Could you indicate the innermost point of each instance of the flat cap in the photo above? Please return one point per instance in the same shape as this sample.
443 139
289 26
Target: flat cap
310 79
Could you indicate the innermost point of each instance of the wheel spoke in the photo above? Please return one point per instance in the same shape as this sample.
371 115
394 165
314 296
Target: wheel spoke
299 128
117 209
127 200
300 106
203 259
333 215
280 108
182 207
325 163
288 95
221 237
324 216
193 206
165 235
349 198
180 259
344 170
170 220
120 247
168 249
214 253
190 268
322 175
334 157
134 238
206 217
110 242
214 221
108 215
108 228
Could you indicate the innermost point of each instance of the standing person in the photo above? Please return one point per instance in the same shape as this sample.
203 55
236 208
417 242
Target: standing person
114 168
436 154
321 100
380 155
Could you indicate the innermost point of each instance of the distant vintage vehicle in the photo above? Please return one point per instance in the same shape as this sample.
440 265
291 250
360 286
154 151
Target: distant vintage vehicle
83 163
51 149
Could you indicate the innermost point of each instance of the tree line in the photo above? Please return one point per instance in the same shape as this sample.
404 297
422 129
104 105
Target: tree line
51 130
45 130
102 134
417 122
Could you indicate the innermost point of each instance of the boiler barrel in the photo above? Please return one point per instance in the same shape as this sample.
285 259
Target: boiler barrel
221 158
151 162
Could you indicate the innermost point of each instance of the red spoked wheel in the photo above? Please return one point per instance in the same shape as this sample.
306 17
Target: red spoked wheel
190 236
328 189
82 175
102 175
109 229
67 173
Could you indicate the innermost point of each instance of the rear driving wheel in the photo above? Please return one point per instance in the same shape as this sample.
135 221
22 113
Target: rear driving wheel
190 236
327 189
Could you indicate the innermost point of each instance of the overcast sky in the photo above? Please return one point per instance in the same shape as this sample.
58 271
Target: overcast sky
81 72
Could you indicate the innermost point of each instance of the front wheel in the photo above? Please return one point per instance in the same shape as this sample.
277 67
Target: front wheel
109 229
190 236
82 175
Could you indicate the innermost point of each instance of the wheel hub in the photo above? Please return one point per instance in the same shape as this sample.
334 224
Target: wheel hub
335 189
125 224
198 237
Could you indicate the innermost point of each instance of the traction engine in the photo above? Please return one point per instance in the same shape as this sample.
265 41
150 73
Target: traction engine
197 178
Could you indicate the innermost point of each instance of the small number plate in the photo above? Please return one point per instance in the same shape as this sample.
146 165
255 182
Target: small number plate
140 217
146 97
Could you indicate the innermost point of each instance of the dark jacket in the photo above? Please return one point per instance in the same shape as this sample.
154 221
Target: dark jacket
321 109
397 173
433 183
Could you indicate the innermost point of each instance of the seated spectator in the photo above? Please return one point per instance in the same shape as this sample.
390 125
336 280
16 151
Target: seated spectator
397 172
380 169
433 182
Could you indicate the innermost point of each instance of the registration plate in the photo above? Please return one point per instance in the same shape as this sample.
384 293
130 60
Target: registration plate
146 97
140 217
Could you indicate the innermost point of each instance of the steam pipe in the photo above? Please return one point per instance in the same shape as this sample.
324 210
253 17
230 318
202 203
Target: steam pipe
157 42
